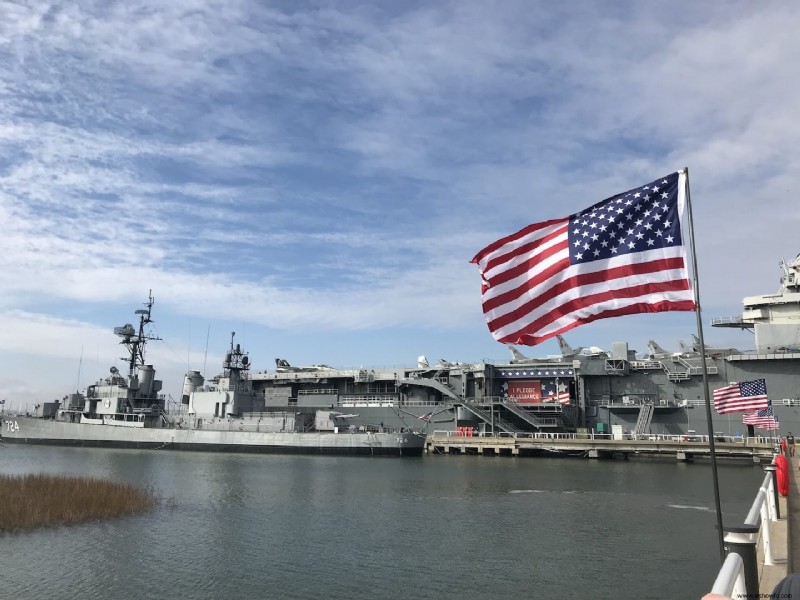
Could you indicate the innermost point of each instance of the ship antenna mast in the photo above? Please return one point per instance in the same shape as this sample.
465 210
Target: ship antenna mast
136 341
236 360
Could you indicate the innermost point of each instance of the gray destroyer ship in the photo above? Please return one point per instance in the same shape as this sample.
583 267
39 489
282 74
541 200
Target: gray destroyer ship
228 414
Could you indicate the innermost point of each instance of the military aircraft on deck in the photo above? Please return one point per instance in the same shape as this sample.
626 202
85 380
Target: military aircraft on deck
283 366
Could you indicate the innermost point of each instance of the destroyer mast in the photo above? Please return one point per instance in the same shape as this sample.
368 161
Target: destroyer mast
135 341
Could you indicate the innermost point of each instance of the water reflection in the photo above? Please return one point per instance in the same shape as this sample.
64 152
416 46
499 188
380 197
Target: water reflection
242 526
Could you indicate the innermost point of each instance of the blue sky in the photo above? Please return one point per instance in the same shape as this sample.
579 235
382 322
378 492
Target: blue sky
316 176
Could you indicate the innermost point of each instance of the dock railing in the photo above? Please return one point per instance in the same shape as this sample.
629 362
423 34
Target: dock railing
738 577
592 435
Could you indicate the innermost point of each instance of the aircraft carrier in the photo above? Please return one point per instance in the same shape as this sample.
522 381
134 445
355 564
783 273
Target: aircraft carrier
615 391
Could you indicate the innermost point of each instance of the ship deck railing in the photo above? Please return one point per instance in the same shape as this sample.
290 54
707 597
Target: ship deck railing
635 402
250 426
355 400
546 406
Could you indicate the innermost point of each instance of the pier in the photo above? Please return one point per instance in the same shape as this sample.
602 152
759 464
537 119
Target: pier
765 548
592 445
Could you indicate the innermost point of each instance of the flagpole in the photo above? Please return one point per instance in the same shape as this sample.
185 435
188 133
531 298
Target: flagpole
712 448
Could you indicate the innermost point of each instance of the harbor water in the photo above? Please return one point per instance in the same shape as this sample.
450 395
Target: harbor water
345 528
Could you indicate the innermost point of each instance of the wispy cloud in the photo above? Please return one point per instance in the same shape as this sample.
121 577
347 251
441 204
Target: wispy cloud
334 167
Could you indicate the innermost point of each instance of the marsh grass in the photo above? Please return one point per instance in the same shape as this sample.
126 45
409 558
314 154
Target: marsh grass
32 501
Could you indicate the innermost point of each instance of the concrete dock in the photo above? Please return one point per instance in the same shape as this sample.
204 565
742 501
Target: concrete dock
785 537
681 448
770 575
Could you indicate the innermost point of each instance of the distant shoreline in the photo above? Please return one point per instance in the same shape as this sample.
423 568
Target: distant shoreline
39 500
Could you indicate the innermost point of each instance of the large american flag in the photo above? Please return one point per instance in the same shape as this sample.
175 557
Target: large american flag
763 419
622 256
741 397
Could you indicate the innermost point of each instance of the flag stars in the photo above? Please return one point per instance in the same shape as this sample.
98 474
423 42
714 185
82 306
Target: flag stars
645 219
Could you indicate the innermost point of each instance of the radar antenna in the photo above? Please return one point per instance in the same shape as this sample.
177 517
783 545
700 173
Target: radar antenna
135 341
236 360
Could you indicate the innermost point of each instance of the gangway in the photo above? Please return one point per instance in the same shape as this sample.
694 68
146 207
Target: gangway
644 420
523 414
494 420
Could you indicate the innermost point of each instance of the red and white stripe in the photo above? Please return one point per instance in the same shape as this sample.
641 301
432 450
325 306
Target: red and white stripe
531 292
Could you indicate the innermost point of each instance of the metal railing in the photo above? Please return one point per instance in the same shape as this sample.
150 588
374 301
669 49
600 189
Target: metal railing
730 579
591 435
738 577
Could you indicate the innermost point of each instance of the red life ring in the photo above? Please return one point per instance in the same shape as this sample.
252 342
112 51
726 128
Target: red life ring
782 473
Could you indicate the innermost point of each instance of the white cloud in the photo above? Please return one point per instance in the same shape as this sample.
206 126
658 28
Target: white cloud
334 169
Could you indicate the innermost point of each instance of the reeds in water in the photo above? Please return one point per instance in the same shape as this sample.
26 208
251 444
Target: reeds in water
31 501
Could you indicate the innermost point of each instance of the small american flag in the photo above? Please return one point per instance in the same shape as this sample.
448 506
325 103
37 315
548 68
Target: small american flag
426 416
763 419
560 397
621 256
741 397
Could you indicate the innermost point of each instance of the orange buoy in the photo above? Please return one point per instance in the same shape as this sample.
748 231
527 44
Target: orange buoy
782 473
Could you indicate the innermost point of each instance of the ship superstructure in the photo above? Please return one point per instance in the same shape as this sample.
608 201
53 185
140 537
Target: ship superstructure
614 392
121 400
774 318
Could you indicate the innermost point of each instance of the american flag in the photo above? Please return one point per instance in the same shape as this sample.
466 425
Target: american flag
555 390
763 419
741 397
622 256
426 416
560 397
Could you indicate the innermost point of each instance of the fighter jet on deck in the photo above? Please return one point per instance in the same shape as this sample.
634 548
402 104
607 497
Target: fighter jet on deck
283 366
711 350
659 353
568 351
518 358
